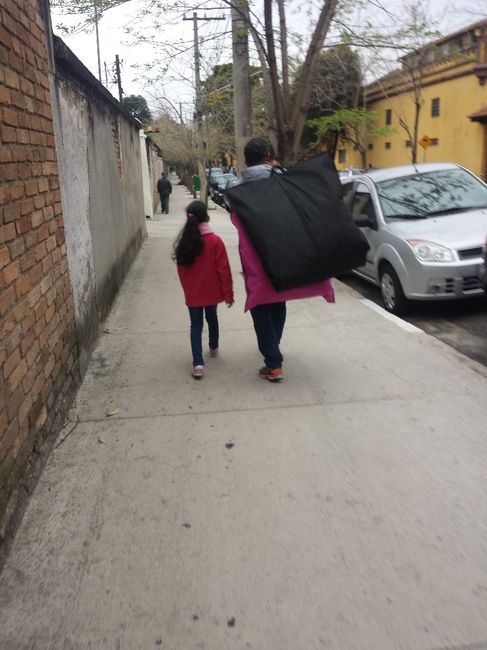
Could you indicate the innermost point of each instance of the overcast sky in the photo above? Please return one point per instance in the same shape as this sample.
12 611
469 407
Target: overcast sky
175 60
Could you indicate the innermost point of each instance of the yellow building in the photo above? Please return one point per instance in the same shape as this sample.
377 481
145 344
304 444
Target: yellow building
450 87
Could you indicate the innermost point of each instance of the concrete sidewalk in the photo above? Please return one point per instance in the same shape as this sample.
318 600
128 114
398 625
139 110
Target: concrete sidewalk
345 508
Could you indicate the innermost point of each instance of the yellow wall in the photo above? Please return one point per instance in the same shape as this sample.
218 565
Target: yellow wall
459 139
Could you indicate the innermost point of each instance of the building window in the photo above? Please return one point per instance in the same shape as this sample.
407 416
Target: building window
370 147
434 141
388 117
342 155
408 144
435 107
388 145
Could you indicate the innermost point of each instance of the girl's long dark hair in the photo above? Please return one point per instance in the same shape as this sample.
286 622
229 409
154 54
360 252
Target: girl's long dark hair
189 243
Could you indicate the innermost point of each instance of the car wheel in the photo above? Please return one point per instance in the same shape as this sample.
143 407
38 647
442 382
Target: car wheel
392 294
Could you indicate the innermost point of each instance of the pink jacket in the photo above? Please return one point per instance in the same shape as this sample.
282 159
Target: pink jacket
258 286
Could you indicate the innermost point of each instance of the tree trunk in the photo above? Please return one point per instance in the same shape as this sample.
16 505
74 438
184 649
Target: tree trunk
418 101
301 101
276 90
363 158
286 115
242 106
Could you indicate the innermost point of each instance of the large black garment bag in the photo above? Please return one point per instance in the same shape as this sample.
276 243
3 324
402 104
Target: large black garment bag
299 224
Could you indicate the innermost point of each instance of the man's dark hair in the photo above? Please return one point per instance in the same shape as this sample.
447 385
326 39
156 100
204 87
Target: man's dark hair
256 151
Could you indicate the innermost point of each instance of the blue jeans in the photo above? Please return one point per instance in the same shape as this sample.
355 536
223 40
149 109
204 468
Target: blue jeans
164 203
269 323
196 331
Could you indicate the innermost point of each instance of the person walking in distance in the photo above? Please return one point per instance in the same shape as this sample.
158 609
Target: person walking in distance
164 188
206 279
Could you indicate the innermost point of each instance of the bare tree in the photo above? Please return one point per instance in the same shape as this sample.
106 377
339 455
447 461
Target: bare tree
412 39
286 114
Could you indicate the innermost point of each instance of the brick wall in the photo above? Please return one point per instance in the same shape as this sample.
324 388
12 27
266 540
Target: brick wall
37 338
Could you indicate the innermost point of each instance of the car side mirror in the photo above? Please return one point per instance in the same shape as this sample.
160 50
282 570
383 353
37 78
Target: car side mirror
363 221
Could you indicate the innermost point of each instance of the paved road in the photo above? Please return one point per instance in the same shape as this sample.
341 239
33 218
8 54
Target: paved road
461 323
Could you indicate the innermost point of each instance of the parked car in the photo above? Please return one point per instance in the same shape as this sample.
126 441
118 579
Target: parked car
218 185
483 273
426 226
349 171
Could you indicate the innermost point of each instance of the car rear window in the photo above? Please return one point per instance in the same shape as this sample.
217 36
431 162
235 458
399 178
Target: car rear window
431 193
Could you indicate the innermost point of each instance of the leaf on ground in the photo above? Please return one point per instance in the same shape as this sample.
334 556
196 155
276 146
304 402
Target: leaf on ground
112 413
101 441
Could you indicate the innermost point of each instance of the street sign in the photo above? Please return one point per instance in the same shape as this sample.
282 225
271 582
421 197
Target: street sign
425 142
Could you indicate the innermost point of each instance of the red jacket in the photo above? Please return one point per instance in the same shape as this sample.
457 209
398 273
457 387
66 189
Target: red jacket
208 280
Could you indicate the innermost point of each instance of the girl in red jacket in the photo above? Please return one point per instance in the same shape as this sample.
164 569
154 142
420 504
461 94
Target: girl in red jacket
205 276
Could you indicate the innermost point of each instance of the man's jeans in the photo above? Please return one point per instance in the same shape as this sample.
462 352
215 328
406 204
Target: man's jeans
164 203
268 324
196 316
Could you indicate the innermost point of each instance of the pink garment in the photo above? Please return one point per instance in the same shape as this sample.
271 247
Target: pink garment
258 286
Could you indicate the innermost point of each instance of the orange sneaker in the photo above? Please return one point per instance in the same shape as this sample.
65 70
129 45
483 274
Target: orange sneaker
271 374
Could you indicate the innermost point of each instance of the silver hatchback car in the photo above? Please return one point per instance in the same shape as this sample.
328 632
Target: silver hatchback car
426 226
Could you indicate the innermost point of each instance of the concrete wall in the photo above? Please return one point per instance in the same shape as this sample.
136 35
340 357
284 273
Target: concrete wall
72 138
101 188
156 166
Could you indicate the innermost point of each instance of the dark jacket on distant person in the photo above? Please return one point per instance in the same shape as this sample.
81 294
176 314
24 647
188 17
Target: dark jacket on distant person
164 187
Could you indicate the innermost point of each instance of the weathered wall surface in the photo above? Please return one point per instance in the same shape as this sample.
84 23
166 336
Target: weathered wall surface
71 222
72 136
38 351
102 195
156 166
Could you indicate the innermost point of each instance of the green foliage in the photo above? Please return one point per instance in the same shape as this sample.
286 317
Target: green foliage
337 82
343 119
352 125
137 106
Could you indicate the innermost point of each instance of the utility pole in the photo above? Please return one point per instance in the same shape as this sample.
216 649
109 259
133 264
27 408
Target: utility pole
118 77
95 6
200 142
241 80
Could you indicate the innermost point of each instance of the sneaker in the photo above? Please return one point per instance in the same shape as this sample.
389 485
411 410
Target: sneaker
214 353
271 374
198 372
